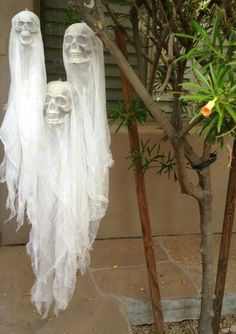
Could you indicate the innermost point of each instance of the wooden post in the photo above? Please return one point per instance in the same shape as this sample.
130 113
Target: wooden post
142 200
225 243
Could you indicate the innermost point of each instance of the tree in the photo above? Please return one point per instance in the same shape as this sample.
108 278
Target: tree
172 30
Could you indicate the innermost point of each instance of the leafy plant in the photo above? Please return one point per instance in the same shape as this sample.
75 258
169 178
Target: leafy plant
214 69
120 115
150 156
71 16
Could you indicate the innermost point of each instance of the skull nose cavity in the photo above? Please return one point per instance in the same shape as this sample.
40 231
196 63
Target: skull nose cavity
75 46
25 27
52 106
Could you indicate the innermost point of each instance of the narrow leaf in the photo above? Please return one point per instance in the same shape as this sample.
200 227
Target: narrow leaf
210 125
220 117
184 36
213 75
199 114
198 28
231 111
215 31
197 97
202 78
195 86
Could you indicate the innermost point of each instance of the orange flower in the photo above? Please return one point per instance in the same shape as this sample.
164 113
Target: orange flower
206 111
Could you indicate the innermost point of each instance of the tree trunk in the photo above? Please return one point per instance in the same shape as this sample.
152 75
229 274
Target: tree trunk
225 243
142 200
205 207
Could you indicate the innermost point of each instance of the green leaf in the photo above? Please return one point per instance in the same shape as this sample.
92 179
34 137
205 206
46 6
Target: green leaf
198 28
215 31
199 114
221 76
213 75
220 117
185 35
220 122
197 97
195 86
232 89
202 78
231 111
210 125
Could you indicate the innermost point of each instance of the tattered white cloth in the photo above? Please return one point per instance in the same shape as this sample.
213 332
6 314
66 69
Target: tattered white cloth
22 126
84 64
59 237
57 155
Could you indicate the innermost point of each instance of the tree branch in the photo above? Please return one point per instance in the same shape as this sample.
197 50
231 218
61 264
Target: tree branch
156 61
188 127
137 42
170 60
186 186
123 30
190 155
100 11
141 91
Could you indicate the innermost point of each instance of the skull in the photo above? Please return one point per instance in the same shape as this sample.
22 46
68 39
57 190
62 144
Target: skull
58 103
26 27
77 43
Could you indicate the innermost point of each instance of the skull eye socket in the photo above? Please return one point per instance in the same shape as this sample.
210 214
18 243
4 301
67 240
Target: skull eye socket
47 100
68 39
82 39
20 23
60 101
30 25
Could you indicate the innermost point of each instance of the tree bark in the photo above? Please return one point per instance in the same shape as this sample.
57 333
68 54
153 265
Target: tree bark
225 243
142 202
182 148
205 207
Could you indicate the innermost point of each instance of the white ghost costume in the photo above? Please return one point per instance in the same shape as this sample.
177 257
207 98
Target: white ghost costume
22 126
59 238
84 64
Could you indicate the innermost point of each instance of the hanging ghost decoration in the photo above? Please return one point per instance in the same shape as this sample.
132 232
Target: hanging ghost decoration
59 241
84 64
22 126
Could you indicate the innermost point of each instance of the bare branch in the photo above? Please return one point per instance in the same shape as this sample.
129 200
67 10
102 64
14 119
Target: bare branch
206 149
123 30
186 186
137 42
156 61
100 11
149 9
154 18
152 106
170 60
190 155
188 127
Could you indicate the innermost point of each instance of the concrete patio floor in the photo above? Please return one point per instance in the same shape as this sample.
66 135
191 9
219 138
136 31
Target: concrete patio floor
114 293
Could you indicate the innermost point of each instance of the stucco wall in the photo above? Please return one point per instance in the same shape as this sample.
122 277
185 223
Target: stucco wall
171 211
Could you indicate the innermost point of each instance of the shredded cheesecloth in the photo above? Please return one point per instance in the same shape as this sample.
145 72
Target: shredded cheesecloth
57 157
22 126
86 74
59 241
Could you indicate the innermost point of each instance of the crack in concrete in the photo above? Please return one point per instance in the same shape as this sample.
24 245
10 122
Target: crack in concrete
181 267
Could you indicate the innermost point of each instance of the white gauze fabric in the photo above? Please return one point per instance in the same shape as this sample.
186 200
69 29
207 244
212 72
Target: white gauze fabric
84 64
59 238
22 126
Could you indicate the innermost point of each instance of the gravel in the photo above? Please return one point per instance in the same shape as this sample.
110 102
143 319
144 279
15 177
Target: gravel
184 327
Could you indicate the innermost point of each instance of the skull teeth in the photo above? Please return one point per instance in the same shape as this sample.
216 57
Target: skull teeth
52 116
